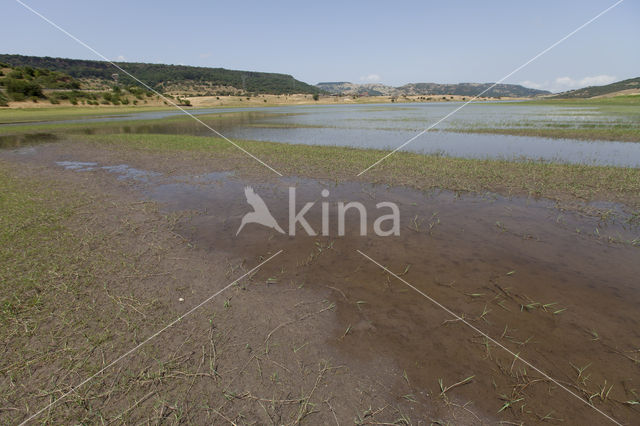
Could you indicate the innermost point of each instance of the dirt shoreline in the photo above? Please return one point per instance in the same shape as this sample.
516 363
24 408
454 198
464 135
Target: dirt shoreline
256 100
320 334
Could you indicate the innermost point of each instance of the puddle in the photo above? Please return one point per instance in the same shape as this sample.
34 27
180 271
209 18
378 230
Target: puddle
122 170
126 172
77 165
540 280
544 275
26 140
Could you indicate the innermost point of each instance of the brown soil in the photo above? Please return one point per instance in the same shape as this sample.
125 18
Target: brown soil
302 99
258 100
45 104
320 334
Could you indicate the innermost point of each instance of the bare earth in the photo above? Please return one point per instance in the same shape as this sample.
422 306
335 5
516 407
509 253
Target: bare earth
255 101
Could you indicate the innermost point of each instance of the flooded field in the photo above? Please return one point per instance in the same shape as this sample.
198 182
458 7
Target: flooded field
388 126
547 284
489 307
556 287
307 223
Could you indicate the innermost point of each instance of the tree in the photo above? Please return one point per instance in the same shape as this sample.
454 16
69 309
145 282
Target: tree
19 89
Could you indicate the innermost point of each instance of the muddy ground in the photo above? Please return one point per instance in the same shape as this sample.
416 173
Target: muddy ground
320 334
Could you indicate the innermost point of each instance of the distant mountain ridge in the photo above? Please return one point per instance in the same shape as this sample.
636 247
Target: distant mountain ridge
347 88
631 85
160 75
460 89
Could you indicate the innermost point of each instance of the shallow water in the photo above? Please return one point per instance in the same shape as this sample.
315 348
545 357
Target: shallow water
122 170
19 141
539 279
386 126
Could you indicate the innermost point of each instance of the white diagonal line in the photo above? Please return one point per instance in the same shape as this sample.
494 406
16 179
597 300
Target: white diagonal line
492 86
477 330
147 340
26 6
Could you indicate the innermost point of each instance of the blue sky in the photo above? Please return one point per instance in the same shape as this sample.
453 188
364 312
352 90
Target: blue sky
392 42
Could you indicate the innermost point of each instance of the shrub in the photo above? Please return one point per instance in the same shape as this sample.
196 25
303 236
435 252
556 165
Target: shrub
22 88
15 74
3 100
29 71
316 96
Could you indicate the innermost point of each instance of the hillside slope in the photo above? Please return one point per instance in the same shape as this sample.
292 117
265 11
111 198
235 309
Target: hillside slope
471 89
460 89
29 84
624 86
347 88
180 77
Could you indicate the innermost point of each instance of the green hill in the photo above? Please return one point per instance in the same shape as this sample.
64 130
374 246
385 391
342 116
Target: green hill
159 75
26 83
590 92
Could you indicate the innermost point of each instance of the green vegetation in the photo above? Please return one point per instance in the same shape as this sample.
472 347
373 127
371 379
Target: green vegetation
588 92
621 100
28 83
19 90
156 74
624 125
621 133
551 180
114 126
183 102
35 249
25 115
59 307
42 77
